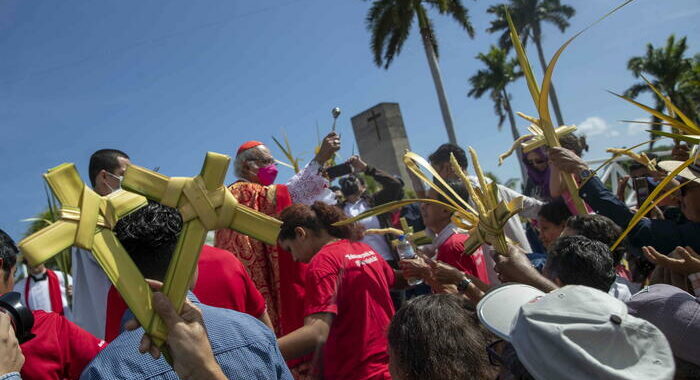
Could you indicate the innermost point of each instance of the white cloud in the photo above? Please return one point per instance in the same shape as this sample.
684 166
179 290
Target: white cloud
594 126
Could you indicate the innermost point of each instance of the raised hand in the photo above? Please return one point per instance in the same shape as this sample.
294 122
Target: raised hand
330 145
687 261
566 160
357 164
516 267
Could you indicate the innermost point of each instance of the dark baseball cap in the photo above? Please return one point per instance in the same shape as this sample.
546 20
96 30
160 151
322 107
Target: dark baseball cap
676 313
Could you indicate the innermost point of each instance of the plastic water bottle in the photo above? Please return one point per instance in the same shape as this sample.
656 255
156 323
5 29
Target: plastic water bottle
406 251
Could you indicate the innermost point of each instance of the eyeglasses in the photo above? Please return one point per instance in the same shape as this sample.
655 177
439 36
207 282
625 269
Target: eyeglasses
494 351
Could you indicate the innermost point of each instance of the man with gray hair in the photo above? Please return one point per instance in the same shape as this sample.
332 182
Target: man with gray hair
278 278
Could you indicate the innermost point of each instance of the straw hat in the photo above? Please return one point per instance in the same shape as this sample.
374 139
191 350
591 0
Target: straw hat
692 172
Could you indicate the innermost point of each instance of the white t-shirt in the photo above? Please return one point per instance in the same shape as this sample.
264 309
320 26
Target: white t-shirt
39 297
377 242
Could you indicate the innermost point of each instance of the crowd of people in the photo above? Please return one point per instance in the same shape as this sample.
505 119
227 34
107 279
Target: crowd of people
333 301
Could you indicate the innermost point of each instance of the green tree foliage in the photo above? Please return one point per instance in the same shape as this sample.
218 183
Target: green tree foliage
528 17
390 23
674 74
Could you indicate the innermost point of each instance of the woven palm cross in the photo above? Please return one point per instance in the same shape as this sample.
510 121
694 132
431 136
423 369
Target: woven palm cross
205 205
86 221
492 213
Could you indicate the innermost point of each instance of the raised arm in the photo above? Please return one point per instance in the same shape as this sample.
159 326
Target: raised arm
391 186
309 185
664 235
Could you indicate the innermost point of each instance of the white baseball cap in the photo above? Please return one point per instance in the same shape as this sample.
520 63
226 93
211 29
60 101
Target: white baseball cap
576 332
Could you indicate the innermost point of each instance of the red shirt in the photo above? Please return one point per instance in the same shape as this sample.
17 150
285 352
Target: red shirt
452 252
352 281
224 282
60 349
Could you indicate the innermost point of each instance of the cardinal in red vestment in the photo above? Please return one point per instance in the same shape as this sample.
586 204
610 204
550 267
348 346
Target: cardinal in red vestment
277 276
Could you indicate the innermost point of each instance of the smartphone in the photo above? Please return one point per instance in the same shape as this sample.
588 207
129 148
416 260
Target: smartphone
338 170
641 187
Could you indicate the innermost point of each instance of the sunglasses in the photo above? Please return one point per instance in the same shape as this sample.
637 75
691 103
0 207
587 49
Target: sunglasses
536 162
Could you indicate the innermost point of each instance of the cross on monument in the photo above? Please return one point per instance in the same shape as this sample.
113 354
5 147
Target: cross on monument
374 118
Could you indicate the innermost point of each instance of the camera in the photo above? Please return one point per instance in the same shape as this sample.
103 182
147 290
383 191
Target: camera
350 185
21 317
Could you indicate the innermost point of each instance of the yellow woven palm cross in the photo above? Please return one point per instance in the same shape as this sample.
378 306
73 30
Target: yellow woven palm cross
205 205
86 221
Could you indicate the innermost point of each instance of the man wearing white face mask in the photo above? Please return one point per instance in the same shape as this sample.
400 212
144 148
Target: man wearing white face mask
278 278
90 283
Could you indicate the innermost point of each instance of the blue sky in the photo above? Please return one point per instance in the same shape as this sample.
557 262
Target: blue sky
167 81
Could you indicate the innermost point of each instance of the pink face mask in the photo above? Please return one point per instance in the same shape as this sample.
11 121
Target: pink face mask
267 174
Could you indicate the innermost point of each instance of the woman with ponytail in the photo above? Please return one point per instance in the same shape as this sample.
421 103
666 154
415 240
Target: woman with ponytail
347 306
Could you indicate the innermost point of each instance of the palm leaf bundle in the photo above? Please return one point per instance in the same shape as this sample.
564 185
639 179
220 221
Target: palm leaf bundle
484 223
286 149
540 96
691 134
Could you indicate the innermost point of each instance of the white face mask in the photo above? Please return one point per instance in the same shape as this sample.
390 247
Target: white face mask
120 178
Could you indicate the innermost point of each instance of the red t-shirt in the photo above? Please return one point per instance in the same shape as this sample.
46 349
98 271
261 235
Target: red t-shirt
222 282
352 281
60 350
452 252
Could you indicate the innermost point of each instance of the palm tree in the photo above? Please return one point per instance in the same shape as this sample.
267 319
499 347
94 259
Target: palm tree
499 72
528 16
390 23
669 71
690 84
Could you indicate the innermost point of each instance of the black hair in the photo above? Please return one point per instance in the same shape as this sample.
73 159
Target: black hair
315 218
578 260
600 228
150 235
8 254
456 185
442 154
436 337
574 143
350 185
104 159
556 211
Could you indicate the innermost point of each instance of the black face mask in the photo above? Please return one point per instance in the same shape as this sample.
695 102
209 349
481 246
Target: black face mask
349 186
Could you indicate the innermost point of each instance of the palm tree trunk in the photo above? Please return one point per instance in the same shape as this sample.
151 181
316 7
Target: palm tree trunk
437 79
552 92
516 135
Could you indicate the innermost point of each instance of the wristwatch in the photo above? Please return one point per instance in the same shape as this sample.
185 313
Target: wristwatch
464 284
585 173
